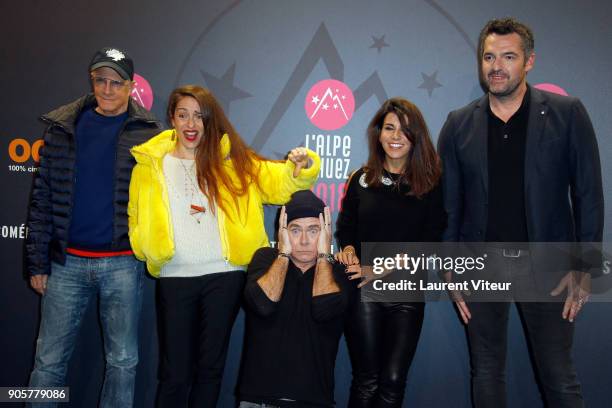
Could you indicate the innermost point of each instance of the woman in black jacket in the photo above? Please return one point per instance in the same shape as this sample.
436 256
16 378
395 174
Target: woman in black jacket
396 197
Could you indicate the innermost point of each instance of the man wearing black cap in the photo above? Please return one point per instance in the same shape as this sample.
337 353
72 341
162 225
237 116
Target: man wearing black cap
78 245
295 301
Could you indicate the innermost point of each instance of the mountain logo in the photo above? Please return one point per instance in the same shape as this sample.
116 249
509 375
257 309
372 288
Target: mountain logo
330 104
142 92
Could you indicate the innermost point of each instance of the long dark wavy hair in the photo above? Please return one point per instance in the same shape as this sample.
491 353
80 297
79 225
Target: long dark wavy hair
209 163
423 168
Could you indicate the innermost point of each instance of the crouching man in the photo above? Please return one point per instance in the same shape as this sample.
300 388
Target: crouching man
295 301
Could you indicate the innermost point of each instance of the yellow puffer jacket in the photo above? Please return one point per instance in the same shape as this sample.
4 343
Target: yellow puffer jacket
242 233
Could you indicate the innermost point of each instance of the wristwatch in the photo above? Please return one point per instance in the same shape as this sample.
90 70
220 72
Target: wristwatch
327 257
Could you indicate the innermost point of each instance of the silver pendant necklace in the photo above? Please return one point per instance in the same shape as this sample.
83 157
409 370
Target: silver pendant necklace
196 206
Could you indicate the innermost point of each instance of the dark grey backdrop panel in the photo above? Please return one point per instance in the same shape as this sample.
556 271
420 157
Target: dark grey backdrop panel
261 58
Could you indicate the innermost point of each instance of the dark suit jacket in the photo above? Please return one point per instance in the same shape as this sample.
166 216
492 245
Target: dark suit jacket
563 187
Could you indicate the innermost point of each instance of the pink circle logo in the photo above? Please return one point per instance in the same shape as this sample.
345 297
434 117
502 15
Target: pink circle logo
329 104
142 92
551 88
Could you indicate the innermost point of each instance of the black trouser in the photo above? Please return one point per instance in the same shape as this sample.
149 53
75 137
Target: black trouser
196 316
381 339
549 338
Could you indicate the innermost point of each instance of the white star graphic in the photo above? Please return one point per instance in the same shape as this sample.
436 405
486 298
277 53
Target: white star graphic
315 99
325 106
343 97
335 106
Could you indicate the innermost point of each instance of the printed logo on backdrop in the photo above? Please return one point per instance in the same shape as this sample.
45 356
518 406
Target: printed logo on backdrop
13 231
142 92
330 105
551 88
23 155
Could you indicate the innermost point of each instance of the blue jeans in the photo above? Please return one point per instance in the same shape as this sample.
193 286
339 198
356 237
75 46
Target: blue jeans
118 283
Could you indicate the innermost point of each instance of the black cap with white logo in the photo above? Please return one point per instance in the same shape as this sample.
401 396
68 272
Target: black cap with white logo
116 59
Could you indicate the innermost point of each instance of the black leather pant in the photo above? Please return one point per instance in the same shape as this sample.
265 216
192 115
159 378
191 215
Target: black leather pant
381 339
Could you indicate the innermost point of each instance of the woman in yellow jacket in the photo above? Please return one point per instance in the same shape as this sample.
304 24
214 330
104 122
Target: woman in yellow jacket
196 218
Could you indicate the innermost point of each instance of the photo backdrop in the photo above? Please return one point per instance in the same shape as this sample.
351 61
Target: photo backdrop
290 73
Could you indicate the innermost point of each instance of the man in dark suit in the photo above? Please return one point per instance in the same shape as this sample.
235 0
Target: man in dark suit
521 166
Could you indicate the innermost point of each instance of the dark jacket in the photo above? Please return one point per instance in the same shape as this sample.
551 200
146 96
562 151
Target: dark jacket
563 187
52 194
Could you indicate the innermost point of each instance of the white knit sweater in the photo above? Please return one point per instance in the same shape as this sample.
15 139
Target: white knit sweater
197 244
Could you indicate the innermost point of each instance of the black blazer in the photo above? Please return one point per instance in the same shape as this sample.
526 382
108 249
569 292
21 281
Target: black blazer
563 188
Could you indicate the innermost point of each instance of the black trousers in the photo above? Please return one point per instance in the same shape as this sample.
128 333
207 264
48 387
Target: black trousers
382 338
196 316
549 338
